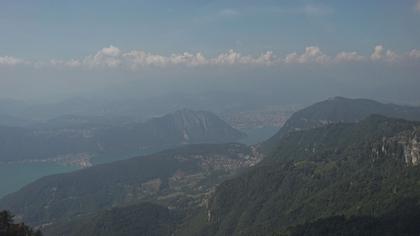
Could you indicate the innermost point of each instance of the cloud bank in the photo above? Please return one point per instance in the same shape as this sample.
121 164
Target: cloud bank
113 57
10 61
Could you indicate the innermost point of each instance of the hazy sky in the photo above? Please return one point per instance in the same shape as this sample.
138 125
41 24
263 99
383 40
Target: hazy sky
51 48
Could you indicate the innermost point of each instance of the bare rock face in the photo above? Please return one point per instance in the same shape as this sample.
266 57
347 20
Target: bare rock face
411 147
404 146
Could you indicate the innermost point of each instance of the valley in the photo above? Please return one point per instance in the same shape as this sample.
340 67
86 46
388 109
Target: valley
84 134
234 189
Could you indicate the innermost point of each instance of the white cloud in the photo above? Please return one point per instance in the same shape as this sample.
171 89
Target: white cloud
110 51
10 61
348 57
231 57
379 53
65 63
140 58
235 58
136 59
266 58
415 53
113 57
311 55
391 56
188 59
108 57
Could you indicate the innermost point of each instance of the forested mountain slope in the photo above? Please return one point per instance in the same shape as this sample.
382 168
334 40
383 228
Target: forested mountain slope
364 169
339 110
179 178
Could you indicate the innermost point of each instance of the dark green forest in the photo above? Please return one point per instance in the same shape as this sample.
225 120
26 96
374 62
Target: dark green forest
9 228
350 170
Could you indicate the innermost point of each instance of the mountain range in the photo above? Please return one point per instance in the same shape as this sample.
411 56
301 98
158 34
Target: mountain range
74 137
339 110
335 168
360 169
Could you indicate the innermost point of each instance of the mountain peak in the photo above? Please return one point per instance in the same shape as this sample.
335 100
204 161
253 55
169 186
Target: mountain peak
338 98
201 126
189 112
340 110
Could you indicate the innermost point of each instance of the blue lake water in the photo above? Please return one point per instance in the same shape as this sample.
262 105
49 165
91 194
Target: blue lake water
15 176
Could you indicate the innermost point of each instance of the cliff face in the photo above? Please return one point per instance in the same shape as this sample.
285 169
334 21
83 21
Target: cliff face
412 148
404 146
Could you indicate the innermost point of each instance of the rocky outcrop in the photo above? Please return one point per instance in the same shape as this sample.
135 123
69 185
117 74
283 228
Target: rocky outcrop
411 147
404 146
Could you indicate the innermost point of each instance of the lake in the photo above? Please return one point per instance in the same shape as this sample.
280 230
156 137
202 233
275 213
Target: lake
15 176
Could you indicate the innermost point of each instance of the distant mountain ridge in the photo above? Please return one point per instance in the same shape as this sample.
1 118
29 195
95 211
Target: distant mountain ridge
339 110
72 136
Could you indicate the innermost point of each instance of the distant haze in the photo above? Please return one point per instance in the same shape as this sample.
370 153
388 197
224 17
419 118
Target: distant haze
297 84
230 53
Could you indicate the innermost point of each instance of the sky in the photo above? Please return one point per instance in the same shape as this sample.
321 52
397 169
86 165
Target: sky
53 49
